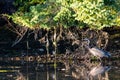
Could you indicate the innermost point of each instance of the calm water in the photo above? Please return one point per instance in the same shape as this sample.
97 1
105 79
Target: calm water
62 70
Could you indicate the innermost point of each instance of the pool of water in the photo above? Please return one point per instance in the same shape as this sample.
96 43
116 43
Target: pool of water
62 70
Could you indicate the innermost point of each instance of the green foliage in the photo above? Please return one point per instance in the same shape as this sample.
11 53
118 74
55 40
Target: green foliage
94 13
65 16
117 20
38 16
47 13
23 5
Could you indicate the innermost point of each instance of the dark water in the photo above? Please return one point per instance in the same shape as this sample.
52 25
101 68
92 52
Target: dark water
62 70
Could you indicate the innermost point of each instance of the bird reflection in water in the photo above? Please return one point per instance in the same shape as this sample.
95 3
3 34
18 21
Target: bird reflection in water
88 71
98 71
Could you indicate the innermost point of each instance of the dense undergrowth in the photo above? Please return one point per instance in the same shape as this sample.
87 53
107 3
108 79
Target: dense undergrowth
61 24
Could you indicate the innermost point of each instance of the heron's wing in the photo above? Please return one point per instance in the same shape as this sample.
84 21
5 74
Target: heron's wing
97 52
102 53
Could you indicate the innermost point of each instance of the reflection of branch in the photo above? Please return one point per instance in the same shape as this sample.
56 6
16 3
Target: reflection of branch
106 76
80 72
83 71
20 76
67 65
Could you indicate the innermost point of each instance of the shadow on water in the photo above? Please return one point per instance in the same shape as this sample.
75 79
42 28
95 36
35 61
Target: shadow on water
62 70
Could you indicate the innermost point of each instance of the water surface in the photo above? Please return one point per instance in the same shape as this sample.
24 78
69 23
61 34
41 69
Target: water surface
63 70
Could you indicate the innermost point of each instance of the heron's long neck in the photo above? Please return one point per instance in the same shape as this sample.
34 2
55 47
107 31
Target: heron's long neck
87 46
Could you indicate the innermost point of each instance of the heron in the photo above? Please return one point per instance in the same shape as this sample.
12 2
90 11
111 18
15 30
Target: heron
96 51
